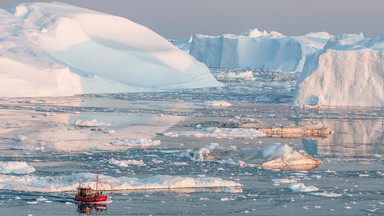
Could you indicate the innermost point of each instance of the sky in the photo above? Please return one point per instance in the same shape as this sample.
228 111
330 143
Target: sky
178 19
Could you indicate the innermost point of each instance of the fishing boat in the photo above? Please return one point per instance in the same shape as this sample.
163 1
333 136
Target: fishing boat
86 194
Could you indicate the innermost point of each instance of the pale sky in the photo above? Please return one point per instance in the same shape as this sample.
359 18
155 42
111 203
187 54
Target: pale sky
178 19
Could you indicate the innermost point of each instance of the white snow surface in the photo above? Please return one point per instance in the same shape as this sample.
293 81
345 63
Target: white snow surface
90 123
349 71
256 50
70 182
56 49
15 167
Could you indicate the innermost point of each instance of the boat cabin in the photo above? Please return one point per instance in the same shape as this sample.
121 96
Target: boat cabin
84 192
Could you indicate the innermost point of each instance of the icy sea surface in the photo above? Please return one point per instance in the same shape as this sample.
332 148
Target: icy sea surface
146 173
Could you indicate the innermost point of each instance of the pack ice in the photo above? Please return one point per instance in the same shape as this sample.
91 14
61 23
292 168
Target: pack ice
55 49
255 50
349 71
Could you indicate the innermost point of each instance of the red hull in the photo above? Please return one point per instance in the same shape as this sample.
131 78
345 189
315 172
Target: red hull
91 199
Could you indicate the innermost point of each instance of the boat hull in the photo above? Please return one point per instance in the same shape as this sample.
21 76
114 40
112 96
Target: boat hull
91 199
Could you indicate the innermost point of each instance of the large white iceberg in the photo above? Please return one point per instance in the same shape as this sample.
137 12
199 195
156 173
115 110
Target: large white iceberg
349 71
55 49
70 182
256 50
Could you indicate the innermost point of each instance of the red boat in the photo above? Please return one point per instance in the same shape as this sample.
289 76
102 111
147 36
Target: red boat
86 194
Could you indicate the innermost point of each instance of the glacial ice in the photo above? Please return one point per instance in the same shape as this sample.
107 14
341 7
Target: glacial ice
55 49
15 167
256 50
349 71
70 182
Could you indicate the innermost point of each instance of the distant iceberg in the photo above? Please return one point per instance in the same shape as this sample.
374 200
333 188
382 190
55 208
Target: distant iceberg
349 71
55 49
255 50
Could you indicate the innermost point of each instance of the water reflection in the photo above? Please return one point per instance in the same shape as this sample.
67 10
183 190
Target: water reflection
350 137
88 208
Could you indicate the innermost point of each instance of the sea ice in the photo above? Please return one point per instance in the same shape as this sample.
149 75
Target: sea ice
14 167
91 123
215 132
284 157
125 163
300 187
136 142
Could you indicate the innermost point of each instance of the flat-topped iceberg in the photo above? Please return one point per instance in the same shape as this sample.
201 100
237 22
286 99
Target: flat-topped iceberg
55 49
349 71
255 50
70 182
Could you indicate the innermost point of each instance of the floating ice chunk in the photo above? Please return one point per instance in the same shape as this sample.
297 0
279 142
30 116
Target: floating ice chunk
136 142
21 138
13 167
97 148
27 147
284 181
300 187
246 76
125 163
327 194
91 123
70 182
32 203
216 104
215 132
279 150
283 157
233 190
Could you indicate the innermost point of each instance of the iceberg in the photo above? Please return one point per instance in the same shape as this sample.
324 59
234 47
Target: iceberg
63 183
349 71
56 49
255 50
15 167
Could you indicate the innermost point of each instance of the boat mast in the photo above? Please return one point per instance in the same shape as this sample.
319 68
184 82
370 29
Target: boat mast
97 180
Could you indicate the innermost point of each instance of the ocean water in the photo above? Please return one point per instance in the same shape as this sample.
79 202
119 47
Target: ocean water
350 180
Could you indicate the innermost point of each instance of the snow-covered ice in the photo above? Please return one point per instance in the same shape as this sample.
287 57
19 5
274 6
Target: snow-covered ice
55 49
15 167
347 72
70 182
216 104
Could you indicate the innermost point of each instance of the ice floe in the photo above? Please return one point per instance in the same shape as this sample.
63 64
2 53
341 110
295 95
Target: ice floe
216 104
125 163
15 167
136 142
32 183
284 157
215 132
272 157
300 187
327 194
90 123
